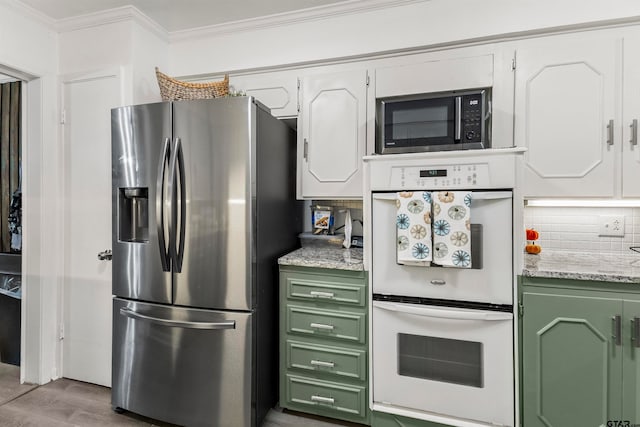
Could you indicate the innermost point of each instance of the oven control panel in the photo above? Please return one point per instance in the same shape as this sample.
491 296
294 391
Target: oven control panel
446 177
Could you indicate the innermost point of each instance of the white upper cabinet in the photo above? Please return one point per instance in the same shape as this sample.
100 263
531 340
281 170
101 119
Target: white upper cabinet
437 74
631 119
331 135
567 96
277 90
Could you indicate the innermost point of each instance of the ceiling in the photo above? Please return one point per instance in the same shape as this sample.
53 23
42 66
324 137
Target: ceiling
179 15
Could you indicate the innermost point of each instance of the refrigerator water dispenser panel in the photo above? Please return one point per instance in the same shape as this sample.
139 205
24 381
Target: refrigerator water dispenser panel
133 215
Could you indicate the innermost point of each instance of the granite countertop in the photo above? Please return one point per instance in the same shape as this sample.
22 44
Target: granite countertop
583 266
325 257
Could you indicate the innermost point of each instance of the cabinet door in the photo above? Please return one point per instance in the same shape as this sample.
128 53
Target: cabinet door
332 137
631 363
565 114
571 368
278 91
631 120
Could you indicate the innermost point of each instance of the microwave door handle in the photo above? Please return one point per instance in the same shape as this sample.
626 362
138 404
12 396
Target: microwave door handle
443 314
458 130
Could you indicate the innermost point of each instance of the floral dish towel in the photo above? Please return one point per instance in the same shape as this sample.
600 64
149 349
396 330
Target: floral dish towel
452 228
413 225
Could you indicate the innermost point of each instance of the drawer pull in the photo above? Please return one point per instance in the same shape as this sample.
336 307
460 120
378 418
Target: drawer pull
319 294
321 399
322 326
323 364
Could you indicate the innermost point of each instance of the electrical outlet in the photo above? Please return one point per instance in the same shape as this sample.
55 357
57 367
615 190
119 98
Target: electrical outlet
611 225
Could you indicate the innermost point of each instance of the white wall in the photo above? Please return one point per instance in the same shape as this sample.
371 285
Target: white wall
149 50
426 23
29 49
128 44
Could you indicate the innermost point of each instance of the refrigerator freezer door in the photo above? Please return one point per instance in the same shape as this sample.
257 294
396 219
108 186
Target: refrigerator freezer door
184 366
216 139
140 142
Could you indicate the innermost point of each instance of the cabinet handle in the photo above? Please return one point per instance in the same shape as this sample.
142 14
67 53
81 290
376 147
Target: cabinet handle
438 282
458 129
306 150
635 332
319 294
321 399
322 363
610 132
634 132
322 326
616 324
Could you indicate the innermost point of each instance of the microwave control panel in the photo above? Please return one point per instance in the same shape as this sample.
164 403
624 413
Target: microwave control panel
445 177
472 118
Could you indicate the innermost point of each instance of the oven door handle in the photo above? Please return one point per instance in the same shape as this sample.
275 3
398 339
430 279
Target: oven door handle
385 196
443 314
491 195
476 195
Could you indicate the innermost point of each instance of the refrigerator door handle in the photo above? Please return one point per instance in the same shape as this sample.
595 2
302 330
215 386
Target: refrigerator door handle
177 168
231 324
162 243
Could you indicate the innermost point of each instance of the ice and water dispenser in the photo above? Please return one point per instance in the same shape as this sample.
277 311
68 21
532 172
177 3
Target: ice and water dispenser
133 215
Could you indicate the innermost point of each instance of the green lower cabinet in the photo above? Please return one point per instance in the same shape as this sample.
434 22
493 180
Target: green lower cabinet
336 362
382 419
331 399
323 343
579 363
631 362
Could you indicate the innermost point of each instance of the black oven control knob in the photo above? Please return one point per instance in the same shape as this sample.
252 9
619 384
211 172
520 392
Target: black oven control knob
470 135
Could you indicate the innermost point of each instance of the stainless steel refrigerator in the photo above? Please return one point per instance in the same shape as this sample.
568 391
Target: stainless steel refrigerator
203 205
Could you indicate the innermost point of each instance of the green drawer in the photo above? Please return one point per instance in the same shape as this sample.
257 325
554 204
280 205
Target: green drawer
326 291
326 398
331 361
326 323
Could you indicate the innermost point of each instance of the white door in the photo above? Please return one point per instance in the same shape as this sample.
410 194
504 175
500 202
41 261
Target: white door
86 344
332 140
444 362
631 120
491 276
566 115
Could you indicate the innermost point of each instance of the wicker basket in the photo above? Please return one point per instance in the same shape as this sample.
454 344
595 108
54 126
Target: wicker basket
175 90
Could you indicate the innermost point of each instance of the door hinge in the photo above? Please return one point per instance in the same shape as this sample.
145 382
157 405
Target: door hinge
298 95
63 117
520 309
61 332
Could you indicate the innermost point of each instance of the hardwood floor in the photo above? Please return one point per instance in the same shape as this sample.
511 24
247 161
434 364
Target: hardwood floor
66 403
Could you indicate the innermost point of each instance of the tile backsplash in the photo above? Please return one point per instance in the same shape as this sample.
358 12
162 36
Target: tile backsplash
576 229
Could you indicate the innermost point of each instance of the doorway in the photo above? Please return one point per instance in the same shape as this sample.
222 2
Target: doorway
11 95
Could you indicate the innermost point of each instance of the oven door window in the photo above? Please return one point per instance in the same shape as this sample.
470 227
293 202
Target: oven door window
421 122
440 359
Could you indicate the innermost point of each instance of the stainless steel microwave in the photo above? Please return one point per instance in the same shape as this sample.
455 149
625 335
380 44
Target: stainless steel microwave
456 120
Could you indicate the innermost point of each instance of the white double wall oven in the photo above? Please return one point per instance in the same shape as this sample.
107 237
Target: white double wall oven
442 338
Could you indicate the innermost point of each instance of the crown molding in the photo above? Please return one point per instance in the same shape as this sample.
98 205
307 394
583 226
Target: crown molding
288 18
24 10
111 16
